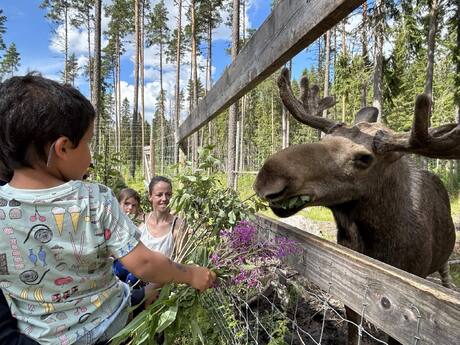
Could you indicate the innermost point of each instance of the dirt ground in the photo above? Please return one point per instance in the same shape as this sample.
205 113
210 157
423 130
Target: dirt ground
308 312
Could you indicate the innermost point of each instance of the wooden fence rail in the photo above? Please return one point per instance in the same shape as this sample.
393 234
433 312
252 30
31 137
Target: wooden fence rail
401 304
291 27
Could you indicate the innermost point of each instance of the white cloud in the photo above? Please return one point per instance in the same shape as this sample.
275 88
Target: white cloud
78 44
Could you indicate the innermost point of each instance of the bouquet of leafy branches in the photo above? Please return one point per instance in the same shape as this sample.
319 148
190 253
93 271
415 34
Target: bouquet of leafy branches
220 237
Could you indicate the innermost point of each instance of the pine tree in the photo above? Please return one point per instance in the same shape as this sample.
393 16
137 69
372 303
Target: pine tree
2 29
83 16
97 70
71 70
11 61
233 111
125 139
122 22
157 33
58 13
134 157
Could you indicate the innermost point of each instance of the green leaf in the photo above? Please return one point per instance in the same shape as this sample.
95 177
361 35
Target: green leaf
196 332
232 217
167 318
191 178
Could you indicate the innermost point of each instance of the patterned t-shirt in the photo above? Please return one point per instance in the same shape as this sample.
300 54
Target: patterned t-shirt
55 266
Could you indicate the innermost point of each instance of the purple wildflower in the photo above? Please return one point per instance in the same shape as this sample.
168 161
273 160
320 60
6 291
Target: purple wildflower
240 247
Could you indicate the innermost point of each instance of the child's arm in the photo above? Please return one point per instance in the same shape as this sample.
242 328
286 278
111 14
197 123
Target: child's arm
155 267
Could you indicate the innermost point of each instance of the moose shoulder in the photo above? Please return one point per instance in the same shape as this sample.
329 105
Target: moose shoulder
384 206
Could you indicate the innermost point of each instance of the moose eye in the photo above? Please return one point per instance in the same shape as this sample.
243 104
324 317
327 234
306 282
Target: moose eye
363 160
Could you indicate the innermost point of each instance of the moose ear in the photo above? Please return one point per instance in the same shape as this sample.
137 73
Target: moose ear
366 114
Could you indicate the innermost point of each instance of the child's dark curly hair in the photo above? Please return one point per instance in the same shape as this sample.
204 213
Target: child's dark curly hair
34 112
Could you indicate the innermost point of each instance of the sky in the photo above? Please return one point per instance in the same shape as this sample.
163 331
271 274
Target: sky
37 40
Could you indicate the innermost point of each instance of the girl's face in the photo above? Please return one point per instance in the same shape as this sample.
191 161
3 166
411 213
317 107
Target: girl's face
160 196
130 206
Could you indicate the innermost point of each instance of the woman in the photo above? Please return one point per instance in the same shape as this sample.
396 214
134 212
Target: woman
161 229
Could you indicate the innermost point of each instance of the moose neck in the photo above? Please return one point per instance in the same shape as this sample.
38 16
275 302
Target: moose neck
376 218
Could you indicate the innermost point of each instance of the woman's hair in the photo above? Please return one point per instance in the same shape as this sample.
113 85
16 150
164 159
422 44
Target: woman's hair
127 193
157 179
34 112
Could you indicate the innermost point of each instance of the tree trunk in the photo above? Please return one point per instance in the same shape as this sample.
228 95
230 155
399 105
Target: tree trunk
344 53
378 59
209 74
243 101
90 62
456 57
134 124
177 89
194 80
119 91
327 62
66 43
142 81
115 98
364 54
152 152
431 48
233 111
162 114
97 71
273 123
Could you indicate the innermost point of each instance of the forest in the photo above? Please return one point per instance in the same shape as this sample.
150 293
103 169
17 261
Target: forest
383 54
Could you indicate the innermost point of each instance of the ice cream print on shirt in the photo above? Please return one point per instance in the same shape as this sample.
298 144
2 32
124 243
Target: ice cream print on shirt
59 213
54 250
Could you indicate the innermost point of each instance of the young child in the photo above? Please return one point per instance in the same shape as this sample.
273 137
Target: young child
130 202
57 233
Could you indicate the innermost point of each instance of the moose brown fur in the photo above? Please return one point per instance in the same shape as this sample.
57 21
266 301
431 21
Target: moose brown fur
383 204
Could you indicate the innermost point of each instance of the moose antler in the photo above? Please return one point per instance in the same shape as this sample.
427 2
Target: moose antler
439 142
309 109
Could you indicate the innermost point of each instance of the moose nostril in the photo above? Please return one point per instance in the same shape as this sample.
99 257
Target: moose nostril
274 196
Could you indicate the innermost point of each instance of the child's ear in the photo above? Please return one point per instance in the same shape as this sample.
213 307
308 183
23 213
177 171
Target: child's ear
62 146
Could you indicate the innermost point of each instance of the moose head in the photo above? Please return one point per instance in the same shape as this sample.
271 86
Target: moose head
340 168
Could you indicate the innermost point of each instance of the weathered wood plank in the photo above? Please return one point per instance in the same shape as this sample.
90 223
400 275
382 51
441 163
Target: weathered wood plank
393 297
291 27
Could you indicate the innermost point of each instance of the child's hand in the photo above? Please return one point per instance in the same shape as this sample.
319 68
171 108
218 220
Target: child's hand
151 293
202 278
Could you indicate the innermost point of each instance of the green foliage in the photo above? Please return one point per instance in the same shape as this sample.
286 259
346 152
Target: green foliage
207 207
203 200
104 171
71 69
2 29
157 31
11 61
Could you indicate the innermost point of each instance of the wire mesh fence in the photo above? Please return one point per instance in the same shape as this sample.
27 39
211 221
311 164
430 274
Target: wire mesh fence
289 310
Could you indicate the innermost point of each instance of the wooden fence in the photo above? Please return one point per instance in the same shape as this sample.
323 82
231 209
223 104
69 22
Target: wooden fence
411 309
291 27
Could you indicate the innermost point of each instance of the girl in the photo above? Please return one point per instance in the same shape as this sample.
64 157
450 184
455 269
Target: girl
130 202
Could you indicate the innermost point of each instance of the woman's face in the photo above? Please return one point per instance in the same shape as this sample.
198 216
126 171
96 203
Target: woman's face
130 206
160 196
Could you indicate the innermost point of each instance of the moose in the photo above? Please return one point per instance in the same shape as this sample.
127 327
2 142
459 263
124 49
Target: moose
384 206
